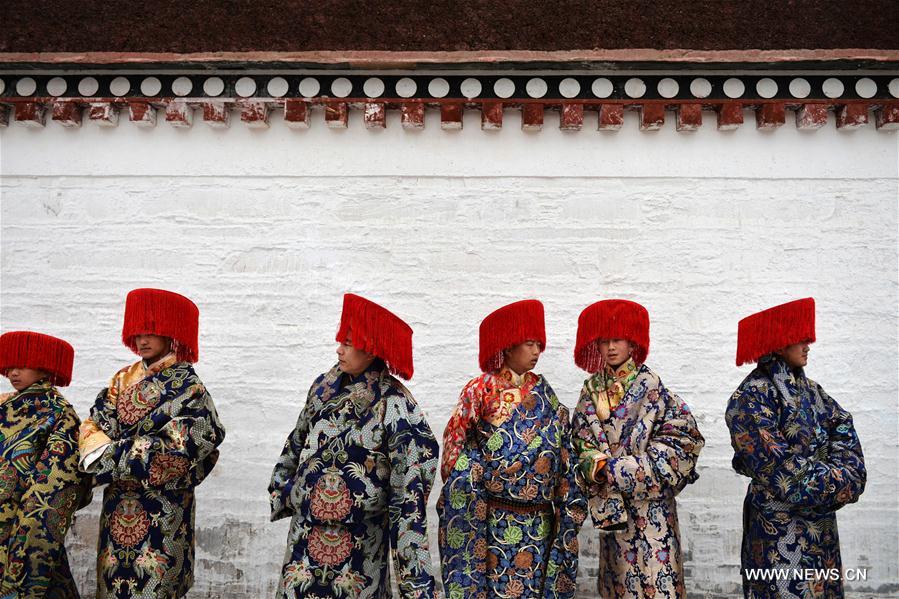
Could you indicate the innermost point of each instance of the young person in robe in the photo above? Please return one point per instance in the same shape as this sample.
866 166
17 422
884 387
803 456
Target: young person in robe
356 471
151 439
637 446
511 504
801 453
40 486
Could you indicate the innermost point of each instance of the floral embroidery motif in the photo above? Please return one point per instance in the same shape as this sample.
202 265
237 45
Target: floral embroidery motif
331 499
129 523
331 545
136 402
166 468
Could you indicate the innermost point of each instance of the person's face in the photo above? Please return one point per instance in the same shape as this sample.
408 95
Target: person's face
796 355
22 378
152 347
615 352
351 360
522 357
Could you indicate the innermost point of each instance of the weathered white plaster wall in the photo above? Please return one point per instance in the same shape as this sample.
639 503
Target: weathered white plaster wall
266 229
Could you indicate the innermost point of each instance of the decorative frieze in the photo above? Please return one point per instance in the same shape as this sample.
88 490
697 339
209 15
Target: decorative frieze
297 95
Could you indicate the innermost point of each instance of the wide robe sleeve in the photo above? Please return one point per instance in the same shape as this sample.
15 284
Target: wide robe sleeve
285 471
175 447
804 480
46 509
669 462
103 414
845 455
412 451
462 507
570 506
589 441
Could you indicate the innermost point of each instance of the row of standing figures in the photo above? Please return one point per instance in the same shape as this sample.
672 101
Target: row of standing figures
520 474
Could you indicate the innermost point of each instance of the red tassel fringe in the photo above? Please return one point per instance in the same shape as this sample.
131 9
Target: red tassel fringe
775 328
377 331
508 326
163 313
610 319
26 349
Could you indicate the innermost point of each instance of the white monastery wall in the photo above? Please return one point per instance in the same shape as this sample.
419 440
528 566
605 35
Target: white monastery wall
265 230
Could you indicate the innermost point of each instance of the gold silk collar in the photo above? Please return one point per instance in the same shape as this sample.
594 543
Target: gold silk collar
510 377
609 386
136 373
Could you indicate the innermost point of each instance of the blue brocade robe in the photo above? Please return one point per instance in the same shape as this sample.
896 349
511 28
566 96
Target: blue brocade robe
511 504
355 475
164 431
800 450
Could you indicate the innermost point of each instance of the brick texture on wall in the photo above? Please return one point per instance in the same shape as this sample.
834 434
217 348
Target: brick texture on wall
266 230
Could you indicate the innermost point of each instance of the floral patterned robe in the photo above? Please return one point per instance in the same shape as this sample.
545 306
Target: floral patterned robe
800 450
164 431
511 504
355 475
652 444
40 489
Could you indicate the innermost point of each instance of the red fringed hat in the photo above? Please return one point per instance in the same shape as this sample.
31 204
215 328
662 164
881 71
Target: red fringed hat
510 325
25 349
775 328
377 331
163 313
610 319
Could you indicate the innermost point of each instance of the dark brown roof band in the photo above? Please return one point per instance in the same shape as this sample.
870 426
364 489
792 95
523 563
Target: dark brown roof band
463 26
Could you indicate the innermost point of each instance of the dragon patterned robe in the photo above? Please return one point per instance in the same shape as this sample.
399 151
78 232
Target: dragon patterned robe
40 489
354 475
164 431
804 460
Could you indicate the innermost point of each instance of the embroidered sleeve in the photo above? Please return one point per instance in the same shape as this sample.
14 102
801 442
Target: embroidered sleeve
762 453
46 509
412 451
103 412
462 508
592 451
284 473
571 509
465 414
846 460
669 463
176 447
